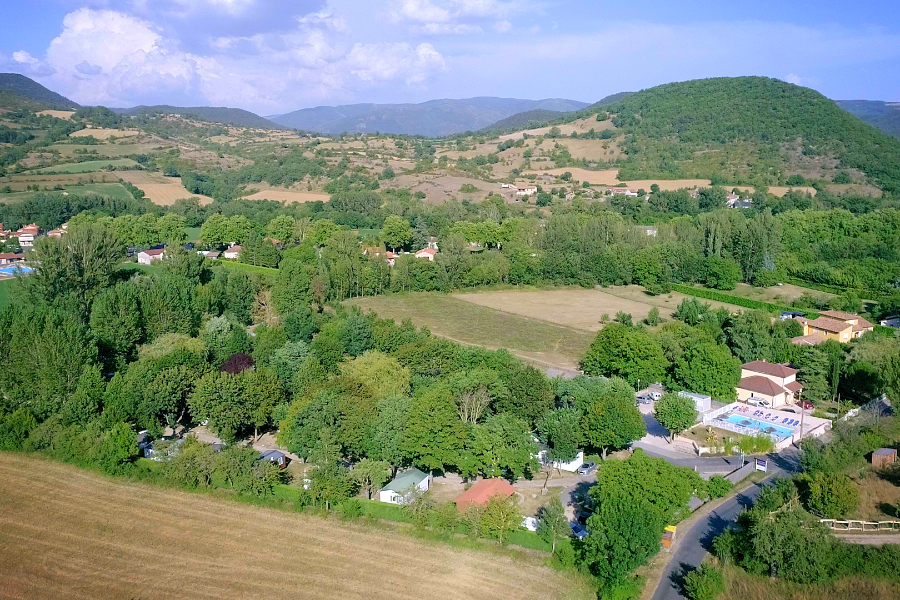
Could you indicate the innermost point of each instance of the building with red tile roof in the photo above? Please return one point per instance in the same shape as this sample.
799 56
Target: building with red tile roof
482 491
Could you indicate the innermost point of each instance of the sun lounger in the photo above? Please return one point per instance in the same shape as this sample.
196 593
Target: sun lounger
784 420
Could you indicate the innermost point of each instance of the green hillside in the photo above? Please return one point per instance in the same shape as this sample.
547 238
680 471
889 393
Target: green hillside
744 130
13 84
883 115
215 114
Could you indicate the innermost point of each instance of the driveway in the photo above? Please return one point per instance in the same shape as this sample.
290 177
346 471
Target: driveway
693 545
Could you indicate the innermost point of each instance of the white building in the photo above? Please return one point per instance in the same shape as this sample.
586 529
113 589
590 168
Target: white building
148 256
232 253
403 485
526 190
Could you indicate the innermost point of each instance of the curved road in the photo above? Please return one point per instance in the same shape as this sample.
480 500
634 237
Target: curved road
693 545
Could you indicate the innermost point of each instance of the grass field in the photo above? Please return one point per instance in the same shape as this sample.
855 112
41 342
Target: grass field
112 190
88 166
70 533
580 308
543 343
742 586
288 196
159 189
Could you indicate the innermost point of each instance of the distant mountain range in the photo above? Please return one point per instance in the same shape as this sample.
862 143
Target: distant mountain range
434 118
883 115
217 114
21 87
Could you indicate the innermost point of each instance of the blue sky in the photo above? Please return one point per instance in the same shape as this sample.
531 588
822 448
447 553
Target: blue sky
273 56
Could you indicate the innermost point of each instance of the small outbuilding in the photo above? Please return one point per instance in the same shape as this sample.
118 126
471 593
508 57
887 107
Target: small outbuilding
274 456
702 402
482 491
403 485
884 457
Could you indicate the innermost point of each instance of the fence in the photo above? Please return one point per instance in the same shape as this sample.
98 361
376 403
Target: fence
836 525
739 474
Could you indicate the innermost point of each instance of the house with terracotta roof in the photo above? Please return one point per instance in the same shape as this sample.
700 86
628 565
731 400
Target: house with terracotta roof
482 491
773 382
428 253
26 235
232 253
526 190
831 325
377 252
148 256
8 258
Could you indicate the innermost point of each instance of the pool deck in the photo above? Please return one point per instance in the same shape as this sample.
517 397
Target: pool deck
812 426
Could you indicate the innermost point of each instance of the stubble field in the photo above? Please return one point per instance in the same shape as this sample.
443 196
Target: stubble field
69 533
161 190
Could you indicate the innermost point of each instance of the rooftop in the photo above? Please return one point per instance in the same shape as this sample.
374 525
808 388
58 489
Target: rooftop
482 491
773 369
761 385
826 324
405 480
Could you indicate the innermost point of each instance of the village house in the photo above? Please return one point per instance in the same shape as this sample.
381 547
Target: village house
377 253
526 190
3 233
428 253
148 256
232 253
8 258
620 191
274 456
831 325
26 235
58 233
210 254
404 485
482 491
775 383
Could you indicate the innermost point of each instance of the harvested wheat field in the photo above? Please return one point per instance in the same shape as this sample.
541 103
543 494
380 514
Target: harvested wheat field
70 533
580 308
105 134
288 196
159 189
59 114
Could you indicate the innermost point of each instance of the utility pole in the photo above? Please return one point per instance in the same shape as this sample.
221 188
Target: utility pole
802 414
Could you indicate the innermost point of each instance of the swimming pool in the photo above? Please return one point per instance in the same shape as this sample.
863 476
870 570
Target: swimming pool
782 432
16 270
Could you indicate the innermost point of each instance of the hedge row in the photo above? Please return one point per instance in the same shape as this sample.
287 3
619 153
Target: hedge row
717 296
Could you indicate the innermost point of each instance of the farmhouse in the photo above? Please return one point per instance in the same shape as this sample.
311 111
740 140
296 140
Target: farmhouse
377 253
526 190
772 382
148 256
274 456
232 253
831 325
403 485
210 254
26 235
620 191
8 258
428 253
482 491
58 232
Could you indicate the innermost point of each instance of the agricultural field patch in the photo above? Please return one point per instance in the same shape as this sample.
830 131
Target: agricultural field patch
777 294
70 533
105 134
159 189
90 166
580 126
59 114
110 150
540 342
288 196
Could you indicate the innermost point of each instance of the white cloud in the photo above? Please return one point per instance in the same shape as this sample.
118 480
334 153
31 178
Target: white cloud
29 65
456 16
792 78
502 26
389 61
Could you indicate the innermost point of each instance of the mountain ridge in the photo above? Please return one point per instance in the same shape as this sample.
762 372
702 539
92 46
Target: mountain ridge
878 113
217 114
20 86
434 118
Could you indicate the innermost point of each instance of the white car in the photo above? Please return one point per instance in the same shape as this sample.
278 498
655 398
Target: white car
758 402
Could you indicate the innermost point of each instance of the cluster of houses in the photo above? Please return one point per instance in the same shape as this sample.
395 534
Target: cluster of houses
829 325
146 257
25 235
521 189
428 252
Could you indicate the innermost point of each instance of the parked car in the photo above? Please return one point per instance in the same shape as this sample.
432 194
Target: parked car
587 468
758 402
578 530
644 399
807 405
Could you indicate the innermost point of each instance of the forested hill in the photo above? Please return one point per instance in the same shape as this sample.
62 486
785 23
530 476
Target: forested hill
13 85
216 114
524 120
746 130
434 118
883 115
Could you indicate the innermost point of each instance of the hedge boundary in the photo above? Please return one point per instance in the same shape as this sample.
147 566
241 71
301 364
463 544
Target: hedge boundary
716 296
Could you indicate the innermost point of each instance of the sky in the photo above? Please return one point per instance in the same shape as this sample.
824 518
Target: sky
274 56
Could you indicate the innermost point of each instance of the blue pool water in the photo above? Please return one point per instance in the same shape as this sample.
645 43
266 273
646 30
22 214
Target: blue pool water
16 270
760 425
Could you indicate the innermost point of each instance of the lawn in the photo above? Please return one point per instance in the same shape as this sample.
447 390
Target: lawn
67 532
88 166
740 585
193 234
546 344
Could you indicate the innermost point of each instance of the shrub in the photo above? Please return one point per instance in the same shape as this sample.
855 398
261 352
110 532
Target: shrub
832 495
718 486
351 508
705 583
627 589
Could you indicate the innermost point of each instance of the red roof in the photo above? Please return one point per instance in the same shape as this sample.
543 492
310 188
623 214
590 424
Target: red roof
794 386
773 369
156 252
761 385
11 256
482 491
430 251
233 249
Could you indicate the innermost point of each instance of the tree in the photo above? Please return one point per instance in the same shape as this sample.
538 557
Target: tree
171 229
561 431
691 311
434 436
622 535
220 398
708 368
624 318
653 317
832 495
704 583
722 273
500 516
502 446
627 352
749 336
553 524
612 420
116 322
371 474
117 447
675 413
282 228
396 232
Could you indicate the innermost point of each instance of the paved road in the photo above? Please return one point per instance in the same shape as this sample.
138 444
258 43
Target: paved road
694 544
